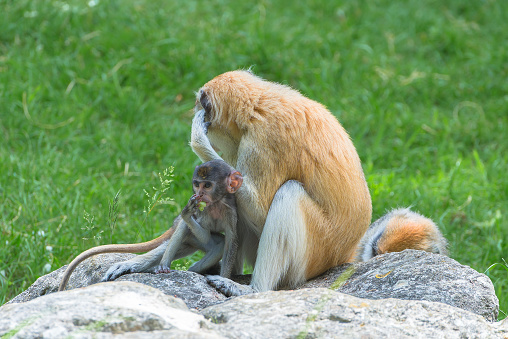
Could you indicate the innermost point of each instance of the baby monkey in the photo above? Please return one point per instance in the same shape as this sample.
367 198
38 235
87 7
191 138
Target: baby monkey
211 210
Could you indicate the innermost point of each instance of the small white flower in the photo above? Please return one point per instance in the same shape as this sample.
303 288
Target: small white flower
93 3
49 248
41 233
47 267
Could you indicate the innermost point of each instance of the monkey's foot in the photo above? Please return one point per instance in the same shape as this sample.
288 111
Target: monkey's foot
228 287
162 269
117 270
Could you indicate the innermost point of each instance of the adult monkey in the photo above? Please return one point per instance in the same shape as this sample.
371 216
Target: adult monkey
304 203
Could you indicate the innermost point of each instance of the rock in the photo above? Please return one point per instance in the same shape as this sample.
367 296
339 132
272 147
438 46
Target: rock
134 310
88 272
416 275
408 275
191 287
323 313
104 310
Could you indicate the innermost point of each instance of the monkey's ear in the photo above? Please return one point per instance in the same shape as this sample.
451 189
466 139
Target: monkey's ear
235 180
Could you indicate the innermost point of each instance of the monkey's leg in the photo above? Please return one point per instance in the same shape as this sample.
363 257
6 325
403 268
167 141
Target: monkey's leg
184 249
214 250
141 263
282 246
283 242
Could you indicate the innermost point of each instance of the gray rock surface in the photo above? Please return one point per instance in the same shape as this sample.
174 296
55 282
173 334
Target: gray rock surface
408 275
323 313
191 287
88 272
416 275
104 310
133 310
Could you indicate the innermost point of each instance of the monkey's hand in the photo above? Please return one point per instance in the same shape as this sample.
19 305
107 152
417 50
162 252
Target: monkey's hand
191 207
228 287
200 121
206 125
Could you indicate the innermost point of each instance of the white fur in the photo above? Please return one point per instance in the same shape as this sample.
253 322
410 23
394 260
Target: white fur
282 246
370 241
199 141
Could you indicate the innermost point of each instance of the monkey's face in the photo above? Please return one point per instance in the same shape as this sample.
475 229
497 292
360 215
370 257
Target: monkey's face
209 181
204 190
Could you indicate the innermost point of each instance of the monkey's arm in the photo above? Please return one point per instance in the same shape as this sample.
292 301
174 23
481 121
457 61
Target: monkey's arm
231 247
176 241
115 248
202 234
199 141
214 250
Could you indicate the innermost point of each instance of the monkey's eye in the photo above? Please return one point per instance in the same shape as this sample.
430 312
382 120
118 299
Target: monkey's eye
208 184
195 183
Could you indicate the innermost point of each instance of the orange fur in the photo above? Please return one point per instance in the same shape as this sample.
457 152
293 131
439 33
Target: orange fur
272 134
398 230
401 234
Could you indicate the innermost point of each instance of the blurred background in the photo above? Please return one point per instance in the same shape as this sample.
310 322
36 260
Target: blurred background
96 102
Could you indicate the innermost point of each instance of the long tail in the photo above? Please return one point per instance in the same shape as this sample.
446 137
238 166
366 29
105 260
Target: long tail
398 230
114 248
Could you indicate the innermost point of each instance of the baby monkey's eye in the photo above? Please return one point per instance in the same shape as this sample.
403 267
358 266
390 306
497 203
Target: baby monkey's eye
195 183
208 184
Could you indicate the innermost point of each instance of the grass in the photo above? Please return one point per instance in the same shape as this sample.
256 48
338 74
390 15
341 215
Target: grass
95 98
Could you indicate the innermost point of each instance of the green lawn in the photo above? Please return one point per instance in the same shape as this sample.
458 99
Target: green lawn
96 98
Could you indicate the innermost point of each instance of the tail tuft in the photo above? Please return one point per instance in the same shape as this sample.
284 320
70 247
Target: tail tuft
398 230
